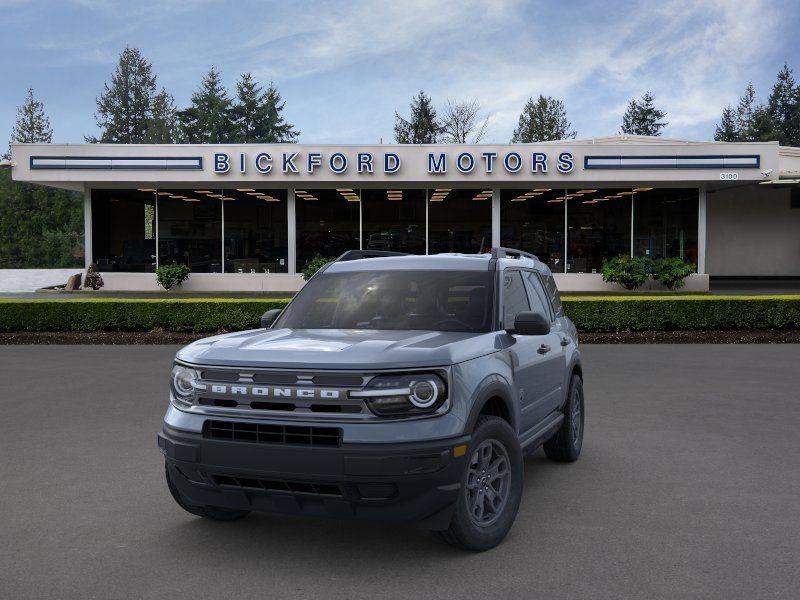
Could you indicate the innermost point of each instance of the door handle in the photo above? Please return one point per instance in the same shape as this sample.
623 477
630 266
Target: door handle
565 341
543 349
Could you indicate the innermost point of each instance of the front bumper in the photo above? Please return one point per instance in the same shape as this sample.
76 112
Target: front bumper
406 482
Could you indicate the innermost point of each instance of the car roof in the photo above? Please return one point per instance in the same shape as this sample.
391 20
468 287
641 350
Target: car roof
433 262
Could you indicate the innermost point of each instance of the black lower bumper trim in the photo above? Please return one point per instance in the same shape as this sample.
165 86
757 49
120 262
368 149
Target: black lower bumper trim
408 482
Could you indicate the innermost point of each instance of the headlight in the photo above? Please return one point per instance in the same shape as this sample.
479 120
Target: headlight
404 394
183 383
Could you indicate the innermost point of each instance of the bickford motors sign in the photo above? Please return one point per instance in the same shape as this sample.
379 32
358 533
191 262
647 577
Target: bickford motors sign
390 163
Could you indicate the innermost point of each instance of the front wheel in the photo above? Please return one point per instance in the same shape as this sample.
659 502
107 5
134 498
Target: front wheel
215 513
491 488
566 444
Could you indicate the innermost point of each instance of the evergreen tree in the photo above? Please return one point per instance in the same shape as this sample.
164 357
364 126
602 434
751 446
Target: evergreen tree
246 108
422 126
541 120
257 114
784 108
726 130
643 118
275 128
208 118
40 227
32 124
744 114
762 126
162 127
124 107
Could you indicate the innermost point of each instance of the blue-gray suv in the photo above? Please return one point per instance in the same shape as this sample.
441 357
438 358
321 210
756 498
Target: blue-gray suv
392 387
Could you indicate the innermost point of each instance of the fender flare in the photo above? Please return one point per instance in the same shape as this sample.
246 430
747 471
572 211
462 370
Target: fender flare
494 386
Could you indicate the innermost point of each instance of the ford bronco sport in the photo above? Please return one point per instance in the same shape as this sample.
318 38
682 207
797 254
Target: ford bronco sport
396 387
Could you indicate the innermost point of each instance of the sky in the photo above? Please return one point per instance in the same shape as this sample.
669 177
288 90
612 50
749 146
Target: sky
345 67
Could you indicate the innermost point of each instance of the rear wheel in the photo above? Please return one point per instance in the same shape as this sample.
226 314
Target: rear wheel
215 513
566 444
491 488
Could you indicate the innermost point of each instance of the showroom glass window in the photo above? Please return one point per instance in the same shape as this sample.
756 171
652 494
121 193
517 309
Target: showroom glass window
665 223
327 223
190 229
599 227
256 236
393 220
123 230
533 220
459 220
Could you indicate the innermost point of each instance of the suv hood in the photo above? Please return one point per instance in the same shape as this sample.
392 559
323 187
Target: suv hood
339 348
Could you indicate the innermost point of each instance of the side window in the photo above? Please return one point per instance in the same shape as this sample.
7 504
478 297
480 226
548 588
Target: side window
537 295
515 298
555 298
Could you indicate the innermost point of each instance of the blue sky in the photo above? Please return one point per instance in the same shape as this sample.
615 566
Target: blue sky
345 67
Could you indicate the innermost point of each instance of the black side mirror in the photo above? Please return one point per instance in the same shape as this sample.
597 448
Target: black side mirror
268 318
531 323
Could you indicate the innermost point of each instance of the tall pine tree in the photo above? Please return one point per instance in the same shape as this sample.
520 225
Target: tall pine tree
32 125
541 120
783 106
275 129
256 113
744 114
726 130
422 126
124 107
643 118
162 126
40 227
208 120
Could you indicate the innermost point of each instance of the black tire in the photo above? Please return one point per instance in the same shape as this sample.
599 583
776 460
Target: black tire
215 513
566 444
465 531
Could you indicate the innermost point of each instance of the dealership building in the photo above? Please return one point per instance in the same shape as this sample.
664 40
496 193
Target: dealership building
249 217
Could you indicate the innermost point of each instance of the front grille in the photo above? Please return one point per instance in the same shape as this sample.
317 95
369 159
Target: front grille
267 433
272 485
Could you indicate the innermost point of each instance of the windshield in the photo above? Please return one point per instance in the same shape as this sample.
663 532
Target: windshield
431 300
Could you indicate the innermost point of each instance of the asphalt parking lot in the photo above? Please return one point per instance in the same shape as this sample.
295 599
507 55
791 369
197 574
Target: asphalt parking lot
688 487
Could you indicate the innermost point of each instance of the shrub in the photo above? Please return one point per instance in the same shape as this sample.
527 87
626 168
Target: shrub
114 314
672 272
665 313
207 315
170 276
314 265
93 279
629 272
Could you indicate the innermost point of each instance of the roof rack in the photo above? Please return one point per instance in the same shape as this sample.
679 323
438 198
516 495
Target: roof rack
501 252
359 254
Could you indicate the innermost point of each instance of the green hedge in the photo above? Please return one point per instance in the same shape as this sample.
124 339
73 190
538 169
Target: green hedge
590 313
195 315
663 313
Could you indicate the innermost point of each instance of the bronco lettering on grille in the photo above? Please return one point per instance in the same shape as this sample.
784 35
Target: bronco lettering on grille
276 392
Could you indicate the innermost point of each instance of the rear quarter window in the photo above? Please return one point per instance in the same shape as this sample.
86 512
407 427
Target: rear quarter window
552 291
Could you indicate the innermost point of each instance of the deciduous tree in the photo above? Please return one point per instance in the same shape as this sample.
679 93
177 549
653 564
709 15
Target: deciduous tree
462 122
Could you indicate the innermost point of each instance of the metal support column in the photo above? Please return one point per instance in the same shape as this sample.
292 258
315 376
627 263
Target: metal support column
633 204
566 231
87 226
495 217
702 212
427 218
291 232
222 229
